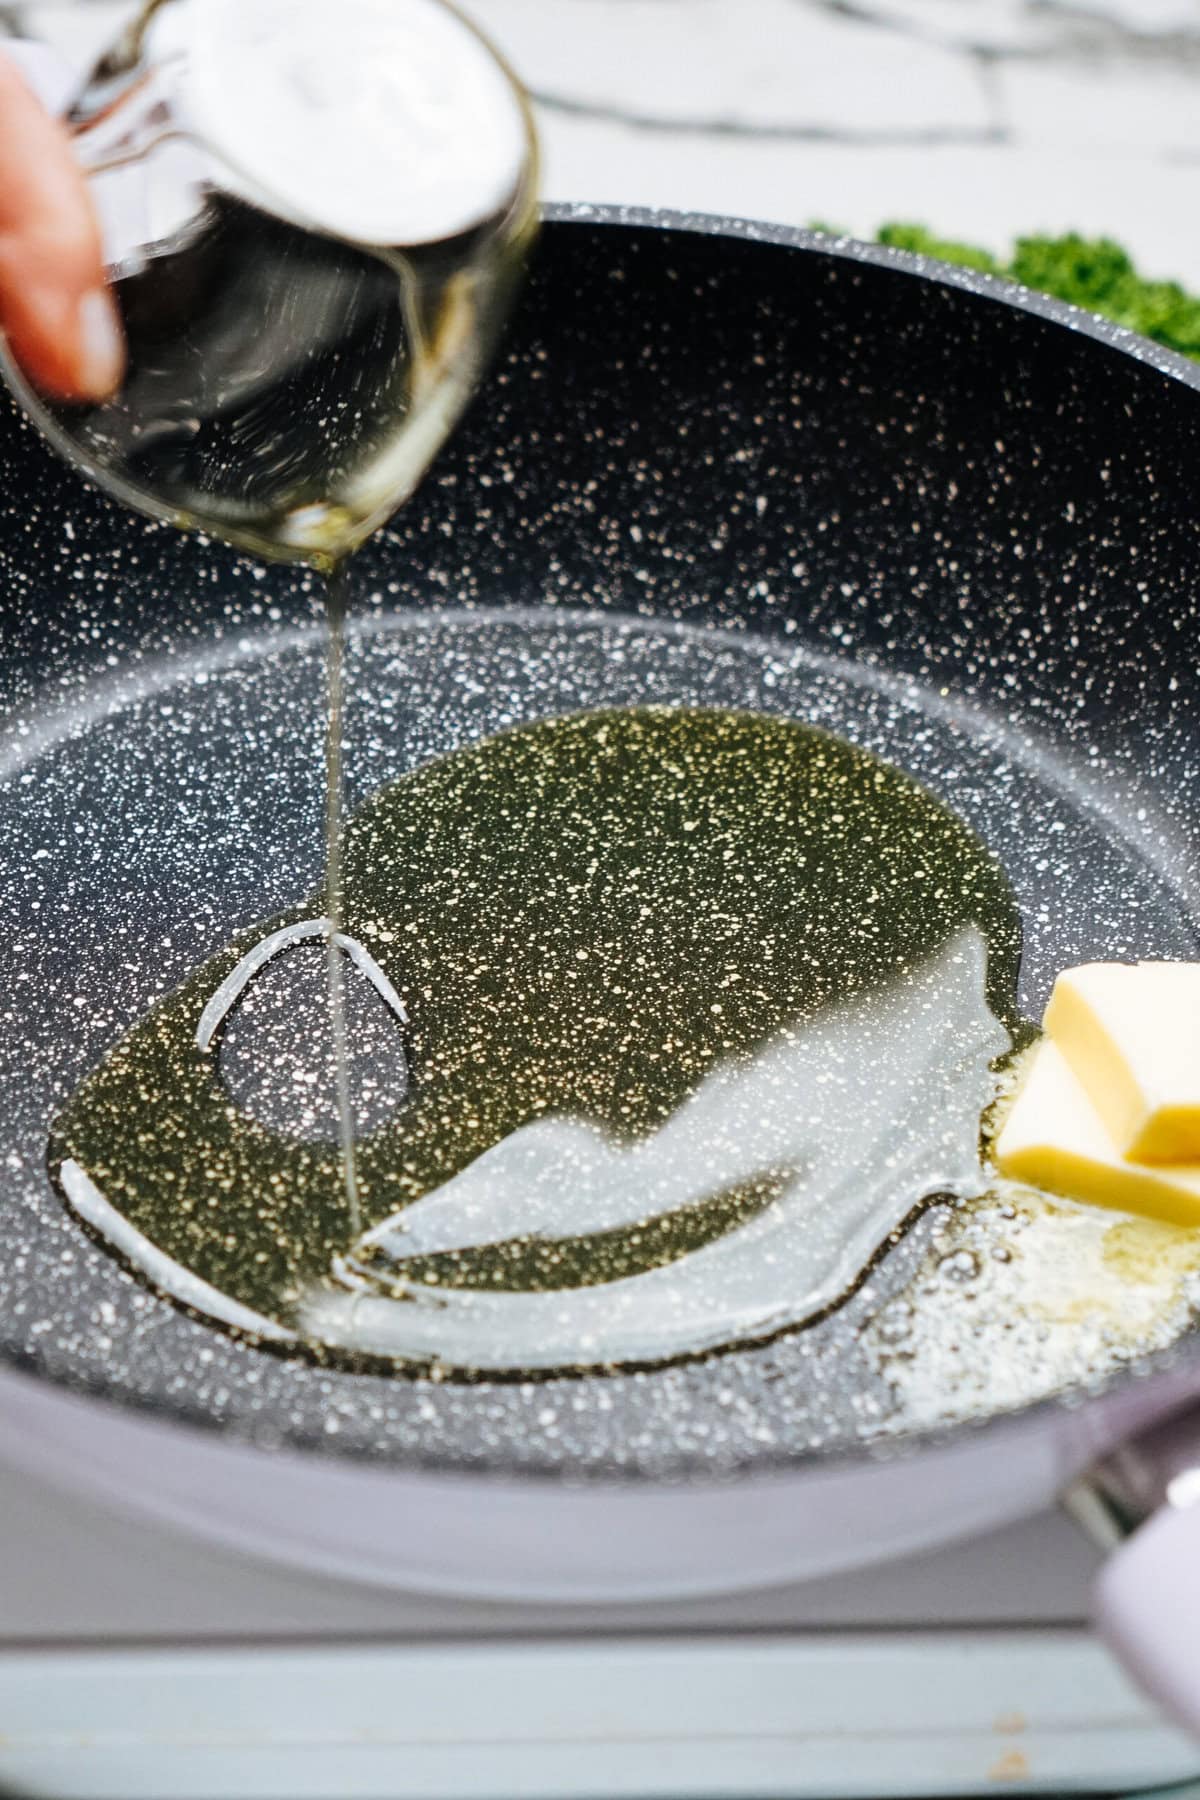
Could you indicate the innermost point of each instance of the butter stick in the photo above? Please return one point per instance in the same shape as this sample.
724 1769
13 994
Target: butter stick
1131 1034
1055 1139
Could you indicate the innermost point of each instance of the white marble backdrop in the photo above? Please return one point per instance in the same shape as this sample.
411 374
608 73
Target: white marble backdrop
980 118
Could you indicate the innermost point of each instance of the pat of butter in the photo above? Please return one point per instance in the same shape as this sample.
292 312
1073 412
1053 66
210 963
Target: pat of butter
1055 1139
1131 1033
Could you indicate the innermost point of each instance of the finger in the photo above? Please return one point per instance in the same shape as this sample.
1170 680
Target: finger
55 307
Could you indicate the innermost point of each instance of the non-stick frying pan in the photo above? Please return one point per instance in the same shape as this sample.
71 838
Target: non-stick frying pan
717 463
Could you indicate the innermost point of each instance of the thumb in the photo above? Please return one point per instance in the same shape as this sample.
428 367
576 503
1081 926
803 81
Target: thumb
55 307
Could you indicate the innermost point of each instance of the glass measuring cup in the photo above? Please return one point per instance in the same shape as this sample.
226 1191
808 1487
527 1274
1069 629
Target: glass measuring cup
312 219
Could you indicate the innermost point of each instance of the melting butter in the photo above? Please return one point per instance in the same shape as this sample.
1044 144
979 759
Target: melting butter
1022 1296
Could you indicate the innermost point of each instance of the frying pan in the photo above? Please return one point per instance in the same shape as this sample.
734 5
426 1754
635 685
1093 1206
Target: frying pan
717 461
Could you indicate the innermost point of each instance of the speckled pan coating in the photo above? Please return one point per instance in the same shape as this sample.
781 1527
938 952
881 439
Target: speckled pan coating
953 521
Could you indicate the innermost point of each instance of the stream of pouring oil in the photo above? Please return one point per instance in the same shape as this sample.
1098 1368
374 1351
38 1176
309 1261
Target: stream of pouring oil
313 385
335 690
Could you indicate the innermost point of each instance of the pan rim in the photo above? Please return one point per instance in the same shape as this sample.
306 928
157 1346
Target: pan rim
847 248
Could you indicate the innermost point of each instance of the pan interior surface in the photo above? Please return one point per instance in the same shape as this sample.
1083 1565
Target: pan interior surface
160 791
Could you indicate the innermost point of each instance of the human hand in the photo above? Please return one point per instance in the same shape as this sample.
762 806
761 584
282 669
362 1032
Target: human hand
55 307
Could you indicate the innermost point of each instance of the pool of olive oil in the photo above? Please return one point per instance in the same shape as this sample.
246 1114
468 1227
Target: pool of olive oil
585 917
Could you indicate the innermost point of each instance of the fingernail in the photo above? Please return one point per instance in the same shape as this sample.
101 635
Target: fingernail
101 345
